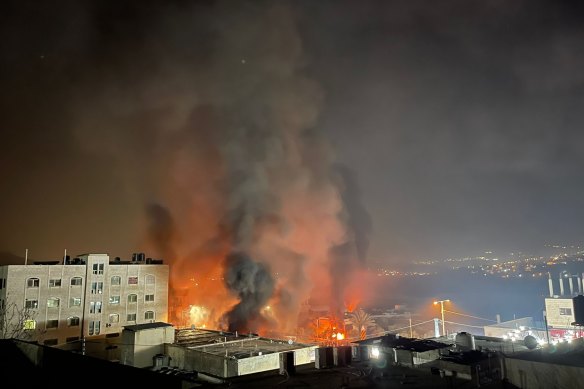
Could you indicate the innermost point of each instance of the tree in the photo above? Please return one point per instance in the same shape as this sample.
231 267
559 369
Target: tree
361 321
17 322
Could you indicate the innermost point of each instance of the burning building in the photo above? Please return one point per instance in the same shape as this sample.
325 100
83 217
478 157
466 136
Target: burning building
258 212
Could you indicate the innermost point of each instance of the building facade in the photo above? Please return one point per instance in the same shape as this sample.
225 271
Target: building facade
85 297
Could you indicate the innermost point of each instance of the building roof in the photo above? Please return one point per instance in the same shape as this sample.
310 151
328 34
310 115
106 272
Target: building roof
146 326
400 342
232 345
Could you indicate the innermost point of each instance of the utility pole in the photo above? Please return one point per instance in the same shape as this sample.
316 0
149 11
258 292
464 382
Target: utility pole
441 302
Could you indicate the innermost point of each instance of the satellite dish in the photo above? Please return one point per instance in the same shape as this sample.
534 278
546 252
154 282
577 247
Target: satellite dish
290 341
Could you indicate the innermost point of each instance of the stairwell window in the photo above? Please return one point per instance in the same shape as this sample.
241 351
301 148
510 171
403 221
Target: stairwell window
116 280
33 283
76 281
132 280
132 298
131 317
149 298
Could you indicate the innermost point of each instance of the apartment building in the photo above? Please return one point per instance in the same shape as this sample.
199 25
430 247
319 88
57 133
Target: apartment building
87 296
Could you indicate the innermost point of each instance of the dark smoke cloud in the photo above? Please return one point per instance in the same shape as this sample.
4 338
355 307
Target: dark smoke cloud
162 231
253 284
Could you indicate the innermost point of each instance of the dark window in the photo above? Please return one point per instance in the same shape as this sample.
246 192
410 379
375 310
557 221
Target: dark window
31 304
76 281
149 297
566 311
149 315
97 268
132 298
55 283
52 323
73 321
32 282
131 317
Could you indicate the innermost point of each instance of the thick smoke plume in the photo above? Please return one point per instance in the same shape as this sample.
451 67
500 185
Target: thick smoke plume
226 121
254 286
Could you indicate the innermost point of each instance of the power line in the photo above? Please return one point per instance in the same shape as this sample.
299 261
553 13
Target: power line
474 317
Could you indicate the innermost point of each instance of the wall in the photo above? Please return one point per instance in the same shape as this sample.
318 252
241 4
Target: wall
139 347
189 359
534 375
552 308
257 364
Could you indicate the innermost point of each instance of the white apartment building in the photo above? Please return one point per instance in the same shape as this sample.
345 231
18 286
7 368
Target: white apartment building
84 297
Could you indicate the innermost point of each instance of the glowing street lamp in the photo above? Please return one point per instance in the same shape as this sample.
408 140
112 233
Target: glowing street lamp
441 302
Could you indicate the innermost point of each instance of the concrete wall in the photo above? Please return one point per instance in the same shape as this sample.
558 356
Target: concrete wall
257 364
193 359
537 375
304 355
139 347
425 356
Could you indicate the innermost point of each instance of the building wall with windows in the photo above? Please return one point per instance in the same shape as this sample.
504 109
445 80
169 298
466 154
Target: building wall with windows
560 312
66 302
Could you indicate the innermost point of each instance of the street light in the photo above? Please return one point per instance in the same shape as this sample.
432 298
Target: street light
441 302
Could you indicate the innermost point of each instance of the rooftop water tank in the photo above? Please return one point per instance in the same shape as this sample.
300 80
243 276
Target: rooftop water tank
465 341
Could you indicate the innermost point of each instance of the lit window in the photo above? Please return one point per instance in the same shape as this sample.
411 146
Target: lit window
29 324
73 321
149 315
132 280
149 297
93 327
55 283
53 302
75 301
150 279
132 298
76 281
114 299
32 283
52 323
116 280
31 304
114 318
131 317
95 307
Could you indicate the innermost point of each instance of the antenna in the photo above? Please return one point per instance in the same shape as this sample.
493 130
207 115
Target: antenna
25 256
65 256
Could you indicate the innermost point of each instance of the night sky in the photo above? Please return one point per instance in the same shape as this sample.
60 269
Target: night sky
460 120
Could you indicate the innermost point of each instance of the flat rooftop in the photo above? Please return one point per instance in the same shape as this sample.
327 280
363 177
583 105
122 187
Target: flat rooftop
233 345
